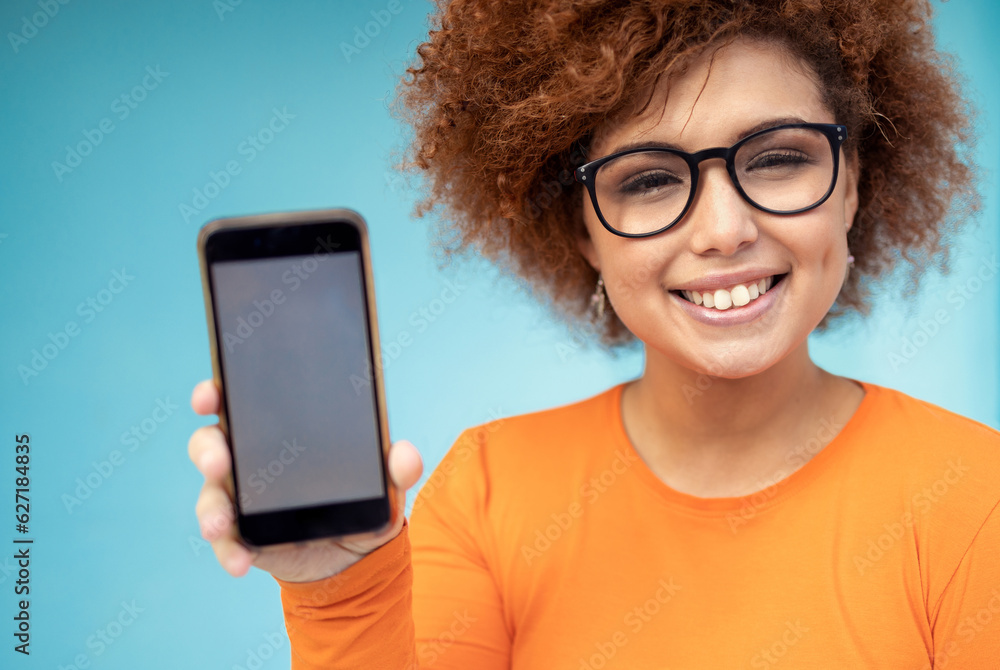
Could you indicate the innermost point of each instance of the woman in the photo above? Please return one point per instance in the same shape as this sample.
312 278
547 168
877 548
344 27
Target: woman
738 170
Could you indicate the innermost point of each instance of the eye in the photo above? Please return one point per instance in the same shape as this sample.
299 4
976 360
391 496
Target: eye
649 181
777 159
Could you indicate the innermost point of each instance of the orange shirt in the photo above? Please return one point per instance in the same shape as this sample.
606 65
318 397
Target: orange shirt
543 542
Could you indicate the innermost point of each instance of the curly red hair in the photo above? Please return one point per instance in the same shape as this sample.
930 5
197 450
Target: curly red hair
505 95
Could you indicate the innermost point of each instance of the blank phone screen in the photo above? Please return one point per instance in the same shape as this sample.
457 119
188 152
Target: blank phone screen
294 344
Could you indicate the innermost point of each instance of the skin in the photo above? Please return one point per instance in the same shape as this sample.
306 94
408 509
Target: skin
304 562
718 411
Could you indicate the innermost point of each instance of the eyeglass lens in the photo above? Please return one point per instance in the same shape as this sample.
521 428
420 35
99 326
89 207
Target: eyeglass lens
783 170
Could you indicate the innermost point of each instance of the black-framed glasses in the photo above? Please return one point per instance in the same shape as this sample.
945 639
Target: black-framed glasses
787 169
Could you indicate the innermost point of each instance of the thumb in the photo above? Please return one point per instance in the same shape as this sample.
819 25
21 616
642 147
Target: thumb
405 464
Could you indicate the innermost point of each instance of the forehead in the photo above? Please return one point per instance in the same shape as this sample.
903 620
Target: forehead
721 95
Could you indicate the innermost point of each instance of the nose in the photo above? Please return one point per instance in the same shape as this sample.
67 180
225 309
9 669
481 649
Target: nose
720 221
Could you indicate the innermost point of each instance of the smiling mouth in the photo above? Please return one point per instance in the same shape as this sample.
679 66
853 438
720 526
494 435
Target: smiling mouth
736 296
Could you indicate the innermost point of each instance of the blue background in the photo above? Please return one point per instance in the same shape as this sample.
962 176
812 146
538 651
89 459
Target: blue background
134 538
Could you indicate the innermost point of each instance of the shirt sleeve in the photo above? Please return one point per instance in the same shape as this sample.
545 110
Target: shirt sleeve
966 627
458 611
358 618
435 606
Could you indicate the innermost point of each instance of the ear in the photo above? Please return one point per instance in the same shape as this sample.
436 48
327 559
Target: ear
852 173
584 240
586 247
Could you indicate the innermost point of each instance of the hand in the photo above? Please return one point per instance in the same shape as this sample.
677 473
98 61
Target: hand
294 562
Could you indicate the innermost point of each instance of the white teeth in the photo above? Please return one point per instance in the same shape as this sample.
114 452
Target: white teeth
741 295
738 296
723 299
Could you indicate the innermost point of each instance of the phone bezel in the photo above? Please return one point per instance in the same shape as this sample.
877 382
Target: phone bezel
287 234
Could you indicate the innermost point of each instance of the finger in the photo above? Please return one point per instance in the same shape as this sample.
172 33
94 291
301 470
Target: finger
233 556
215 512
208 451
216 517
205 398
405 464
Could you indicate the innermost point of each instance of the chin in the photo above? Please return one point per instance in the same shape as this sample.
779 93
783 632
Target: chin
732 361
736 369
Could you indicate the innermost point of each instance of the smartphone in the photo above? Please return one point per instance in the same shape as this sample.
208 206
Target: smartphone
293 334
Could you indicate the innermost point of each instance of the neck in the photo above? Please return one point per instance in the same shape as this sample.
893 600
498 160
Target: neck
706 407
710 434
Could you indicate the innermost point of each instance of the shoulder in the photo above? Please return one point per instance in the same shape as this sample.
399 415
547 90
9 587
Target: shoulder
916 427
593 410
543 443
556 428
511 462
921 442
946 466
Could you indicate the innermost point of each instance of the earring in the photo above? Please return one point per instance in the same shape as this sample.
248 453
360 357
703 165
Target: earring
850 266
597 301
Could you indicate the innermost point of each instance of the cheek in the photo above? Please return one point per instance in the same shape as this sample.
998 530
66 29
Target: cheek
624 264
632 278
820 253
635 287
632 269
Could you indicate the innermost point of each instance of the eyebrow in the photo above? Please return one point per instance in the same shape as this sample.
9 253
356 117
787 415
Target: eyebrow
656 144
